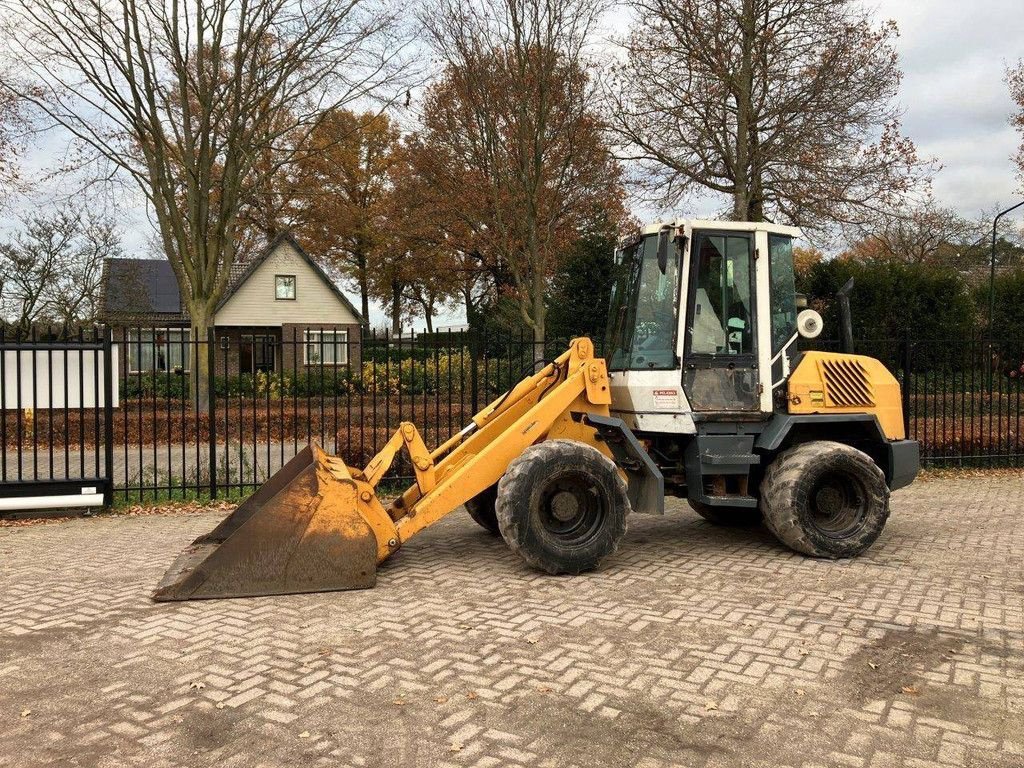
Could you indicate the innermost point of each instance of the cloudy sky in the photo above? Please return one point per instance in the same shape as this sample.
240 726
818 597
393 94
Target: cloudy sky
956 105
954 55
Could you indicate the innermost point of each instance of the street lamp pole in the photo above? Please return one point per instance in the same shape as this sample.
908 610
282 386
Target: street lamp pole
992 269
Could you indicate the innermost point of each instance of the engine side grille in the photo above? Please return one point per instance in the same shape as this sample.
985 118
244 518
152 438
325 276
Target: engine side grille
847 384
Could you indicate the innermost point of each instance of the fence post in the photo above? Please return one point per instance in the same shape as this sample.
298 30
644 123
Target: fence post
108 416
474 384
211 406
905 390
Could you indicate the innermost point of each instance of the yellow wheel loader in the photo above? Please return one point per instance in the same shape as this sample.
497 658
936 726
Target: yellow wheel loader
702 395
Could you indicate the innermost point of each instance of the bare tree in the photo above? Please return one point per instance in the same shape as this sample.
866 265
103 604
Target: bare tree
50 271
188 98
511 123
925 233
29 263
77 288
1015 79
783 106
14 129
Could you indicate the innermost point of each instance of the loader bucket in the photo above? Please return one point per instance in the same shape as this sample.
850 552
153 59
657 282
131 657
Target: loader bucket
300 532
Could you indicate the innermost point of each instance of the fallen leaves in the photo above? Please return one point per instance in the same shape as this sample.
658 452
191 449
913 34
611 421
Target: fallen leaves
710 706
872 665
304 735
910 690
135 510
196 685
26 712
472 695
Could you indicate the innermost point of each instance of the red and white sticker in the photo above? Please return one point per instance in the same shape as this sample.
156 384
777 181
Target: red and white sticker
666 399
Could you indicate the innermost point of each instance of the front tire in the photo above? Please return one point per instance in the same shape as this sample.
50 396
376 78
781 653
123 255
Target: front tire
825 499
562 506
727 517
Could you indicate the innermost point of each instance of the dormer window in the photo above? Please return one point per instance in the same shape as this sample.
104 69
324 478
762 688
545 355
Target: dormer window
284 287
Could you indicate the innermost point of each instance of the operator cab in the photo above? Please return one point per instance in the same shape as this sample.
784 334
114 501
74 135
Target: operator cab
702 321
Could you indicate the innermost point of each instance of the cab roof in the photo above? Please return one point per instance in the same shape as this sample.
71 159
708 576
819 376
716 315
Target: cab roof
738 226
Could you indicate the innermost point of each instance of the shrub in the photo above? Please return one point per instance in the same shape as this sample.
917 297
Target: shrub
890 299
172 386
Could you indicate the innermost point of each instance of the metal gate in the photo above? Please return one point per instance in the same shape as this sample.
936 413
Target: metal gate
57 396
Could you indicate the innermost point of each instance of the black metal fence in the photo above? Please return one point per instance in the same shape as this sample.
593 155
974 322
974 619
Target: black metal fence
217 416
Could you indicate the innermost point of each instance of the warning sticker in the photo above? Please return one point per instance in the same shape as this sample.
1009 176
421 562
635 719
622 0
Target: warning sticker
666 399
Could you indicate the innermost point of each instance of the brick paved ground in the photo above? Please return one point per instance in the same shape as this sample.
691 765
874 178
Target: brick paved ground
696 647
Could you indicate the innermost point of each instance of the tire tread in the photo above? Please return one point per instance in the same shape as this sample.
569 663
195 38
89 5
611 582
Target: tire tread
785 480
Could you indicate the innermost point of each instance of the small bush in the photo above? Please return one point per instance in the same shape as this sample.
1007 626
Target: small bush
173 386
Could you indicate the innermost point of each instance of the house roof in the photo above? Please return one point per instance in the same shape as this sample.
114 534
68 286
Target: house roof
140 286
241 272
149 286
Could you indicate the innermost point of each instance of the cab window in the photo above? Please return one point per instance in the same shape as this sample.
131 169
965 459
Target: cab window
783 290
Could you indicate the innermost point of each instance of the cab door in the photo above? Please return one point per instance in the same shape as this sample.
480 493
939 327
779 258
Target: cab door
720 370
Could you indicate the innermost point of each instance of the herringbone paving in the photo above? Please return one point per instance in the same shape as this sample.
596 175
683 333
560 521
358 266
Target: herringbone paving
697 646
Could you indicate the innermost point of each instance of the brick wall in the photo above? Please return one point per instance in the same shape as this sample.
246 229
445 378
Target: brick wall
293 346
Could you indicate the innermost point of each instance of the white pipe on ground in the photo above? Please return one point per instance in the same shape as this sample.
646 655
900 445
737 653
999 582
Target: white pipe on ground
20 503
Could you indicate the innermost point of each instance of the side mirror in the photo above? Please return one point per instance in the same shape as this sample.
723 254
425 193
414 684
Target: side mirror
809 324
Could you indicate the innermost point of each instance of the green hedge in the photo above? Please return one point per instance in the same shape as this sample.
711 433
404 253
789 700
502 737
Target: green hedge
441 373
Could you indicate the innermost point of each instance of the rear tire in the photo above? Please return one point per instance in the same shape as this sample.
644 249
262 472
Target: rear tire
825 499
728 517
562 506
481 509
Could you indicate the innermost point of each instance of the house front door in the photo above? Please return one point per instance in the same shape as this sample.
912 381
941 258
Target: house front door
258 354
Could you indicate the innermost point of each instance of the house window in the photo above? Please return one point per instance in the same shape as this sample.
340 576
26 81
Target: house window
284 287
327 347
155 350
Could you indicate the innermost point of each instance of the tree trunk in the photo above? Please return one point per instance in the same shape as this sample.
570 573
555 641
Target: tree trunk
200 353
540 312
396 307
364 292
744 117
428 314
467 298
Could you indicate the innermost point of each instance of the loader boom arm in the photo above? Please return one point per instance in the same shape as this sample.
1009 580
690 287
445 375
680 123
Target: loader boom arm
538 407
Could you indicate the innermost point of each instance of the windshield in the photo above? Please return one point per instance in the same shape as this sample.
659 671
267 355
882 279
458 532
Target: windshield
644 302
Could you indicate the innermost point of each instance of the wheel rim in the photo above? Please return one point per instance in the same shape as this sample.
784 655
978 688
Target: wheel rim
839 504
571 507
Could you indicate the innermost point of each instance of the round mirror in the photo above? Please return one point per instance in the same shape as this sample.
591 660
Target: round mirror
809 324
